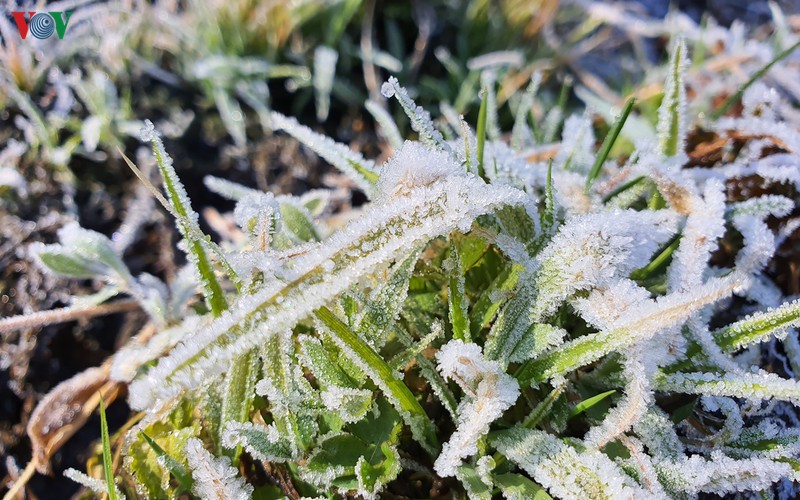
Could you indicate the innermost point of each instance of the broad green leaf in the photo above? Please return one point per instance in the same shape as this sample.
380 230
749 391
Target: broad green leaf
83 254
519 487
145 463
373 477
65 263
338 456
264 443
298 223
476 488
324 364
176 468
379 426
365 458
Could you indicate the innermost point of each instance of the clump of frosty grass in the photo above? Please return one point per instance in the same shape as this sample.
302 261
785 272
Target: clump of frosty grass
524 323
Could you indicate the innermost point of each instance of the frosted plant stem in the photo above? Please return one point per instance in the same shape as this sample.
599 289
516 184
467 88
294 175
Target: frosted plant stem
45 318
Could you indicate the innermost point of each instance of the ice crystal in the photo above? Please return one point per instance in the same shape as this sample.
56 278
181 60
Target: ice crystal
592 250
214 478
704 226
638 397
756 386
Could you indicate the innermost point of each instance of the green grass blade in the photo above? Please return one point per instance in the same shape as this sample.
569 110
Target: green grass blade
758 327
179 200
482 116
622 189
549 212
588 403
543 408
383 376
240 384
736 96
608 143
108 470
671 127
669 311
519 486
456 298
657 263
186 220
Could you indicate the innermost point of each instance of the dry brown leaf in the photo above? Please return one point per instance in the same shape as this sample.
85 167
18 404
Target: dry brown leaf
65 409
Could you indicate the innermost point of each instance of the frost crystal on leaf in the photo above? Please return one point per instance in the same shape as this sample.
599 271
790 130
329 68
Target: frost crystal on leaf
592 250
634 294
214 478
564 470
489 391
